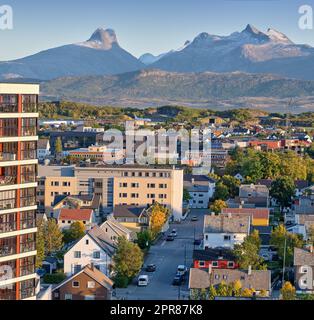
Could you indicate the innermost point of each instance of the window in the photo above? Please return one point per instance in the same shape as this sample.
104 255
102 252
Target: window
86 241
91 284
96 255
227 238
75 284
215 264
123 185
206 237
77 254
135 185
68 296
230 264
304 270
89 297
201 263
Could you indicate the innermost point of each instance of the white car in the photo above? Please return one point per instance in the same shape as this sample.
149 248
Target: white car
143 281
182 269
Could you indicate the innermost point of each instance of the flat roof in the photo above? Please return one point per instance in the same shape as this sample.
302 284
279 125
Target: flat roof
19 88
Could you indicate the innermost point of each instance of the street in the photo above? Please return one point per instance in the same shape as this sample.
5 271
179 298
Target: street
167 255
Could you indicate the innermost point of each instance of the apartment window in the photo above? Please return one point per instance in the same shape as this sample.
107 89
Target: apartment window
91 284
227 238
96 255
154 174
134 195
123 185
140 174
230 264
77 268
125 174
151 196
151 185
163 186
135 185
77 254
133 174
146 174
87 241
123 195
215 264
206 237
162 196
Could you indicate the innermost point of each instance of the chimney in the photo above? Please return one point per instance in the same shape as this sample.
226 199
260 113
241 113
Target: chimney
210 269
249 272
92 266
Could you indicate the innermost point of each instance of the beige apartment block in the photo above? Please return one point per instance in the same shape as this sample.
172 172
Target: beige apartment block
54 181
133 185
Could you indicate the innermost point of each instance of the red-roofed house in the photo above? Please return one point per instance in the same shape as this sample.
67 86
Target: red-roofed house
260 217
66 217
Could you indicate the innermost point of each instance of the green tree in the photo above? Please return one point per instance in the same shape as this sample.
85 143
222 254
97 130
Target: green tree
218 205
186 195
221 191
212 293
310 233
40 243
53 237
247 254
232 184
281 239
128 259
144 239
75 232
283 189
288 291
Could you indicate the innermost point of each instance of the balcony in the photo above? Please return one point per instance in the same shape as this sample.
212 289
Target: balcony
7 250
7 204
6 156
7 180
8 108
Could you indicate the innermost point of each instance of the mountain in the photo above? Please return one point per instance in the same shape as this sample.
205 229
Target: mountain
155 87
250 51
101 54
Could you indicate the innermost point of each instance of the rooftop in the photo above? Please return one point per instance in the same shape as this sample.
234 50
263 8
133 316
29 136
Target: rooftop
303 257
226 224
75 214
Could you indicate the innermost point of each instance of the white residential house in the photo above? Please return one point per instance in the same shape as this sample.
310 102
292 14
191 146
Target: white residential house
95 248
65 217
225 230
43 149
201 189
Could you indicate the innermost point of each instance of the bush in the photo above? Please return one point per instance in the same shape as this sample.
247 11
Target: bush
121 281
54 278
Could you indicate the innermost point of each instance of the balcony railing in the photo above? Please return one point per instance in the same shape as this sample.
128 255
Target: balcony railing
30 107
28 224
28 246
28 202
7 204
5 156
7 294
7 180
8 108
7 227
7 250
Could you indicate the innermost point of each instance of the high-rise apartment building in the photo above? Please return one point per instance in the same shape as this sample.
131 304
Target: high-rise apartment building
18 171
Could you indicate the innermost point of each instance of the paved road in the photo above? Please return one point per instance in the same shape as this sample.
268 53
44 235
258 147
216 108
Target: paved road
167 256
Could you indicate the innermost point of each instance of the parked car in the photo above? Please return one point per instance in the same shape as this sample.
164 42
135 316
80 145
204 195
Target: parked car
194 218
143 281
151 268
174 232
182 269
178 280
170 237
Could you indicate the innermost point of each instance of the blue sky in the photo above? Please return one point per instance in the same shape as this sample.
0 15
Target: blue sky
142 25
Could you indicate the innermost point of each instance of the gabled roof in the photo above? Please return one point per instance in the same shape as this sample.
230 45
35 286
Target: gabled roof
102 240
303 257
75 214
128 211
226 224
257 279
213 254
256 213
93 273
198 178
116 227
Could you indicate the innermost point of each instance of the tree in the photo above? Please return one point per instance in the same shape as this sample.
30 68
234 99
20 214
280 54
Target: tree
75 232
223 290
247 255
186 195
40 243
221 191
288 291
128 258
144 239
246 292
310 233
283 189
255 238
159 215
281 238
232 184
58 146
218 205
53 237
237 288
212 293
